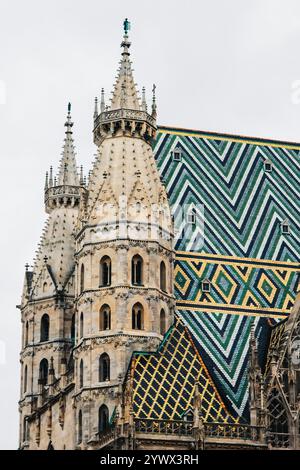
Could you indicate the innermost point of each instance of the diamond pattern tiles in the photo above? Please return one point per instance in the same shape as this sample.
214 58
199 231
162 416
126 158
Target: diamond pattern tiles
164 382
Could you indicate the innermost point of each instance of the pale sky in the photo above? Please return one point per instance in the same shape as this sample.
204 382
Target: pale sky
226 66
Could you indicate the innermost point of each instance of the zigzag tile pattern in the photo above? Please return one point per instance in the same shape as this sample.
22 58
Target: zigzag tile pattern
239 208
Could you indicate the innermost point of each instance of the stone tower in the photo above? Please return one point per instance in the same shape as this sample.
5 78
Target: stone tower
47 305
124 253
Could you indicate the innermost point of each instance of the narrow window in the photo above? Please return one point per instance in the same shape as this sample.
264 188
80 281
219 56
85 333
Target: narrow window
103 419
26 333
79 427
45 327
25 429
81 374
105 318
81 325
43 372
137 270
82 279
104 368
105 271
73 329
25 379
163 277
162 322
137 317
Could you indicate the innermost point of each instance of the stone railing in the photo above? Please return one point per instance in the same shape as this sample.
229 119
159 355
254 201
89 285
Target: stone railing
232 431
157 426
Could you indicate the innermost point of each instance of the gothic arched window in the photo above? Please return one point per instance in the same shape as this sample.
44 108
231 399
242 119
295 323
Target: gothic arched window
73 329
104 367
162 322
81 374
137 317
79 440
43 372
103 419
81 325
25 379
163 276
279 428
105 318
137 270
82 278
105 271
26 333
45 322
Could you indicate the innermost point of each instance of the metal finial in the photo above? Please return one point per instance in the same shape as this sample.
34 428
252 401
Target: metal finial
126 26
69 108
26 267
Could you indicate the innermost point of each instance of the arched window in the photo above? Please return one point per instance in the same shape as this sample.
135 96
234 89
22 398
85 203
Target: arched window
79 440
25 429
82 278
43 372
105 271
279 427
81 325
81 374
163 277
103 419
137 270
162 322
45 322
137 317
105 318
25 379
26 333
104 367
45 286
73 329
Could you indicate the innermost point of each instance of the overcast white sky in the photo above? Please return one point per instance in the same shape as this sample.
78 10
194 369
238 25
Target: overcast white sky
226 66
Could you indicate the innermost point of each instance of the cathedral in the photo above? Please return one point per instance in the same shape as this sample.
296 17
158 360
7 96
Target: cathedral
162 310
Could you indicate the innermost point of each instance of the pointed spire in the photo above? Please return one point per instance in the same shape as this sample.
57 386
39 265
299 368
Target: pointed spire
46 181
102 104
125 92
144 104
51 177
154 113
81 176
96 108
67 174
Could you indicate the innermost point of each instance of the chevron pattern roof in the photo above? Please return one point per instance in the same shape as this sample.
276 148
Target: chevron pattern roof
236 241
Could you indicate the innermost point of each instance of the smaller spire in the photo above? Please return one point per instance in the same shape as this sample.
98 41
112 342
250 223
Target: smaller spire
96 108
81 182
46 181
144 104
102 104
154 113
51 177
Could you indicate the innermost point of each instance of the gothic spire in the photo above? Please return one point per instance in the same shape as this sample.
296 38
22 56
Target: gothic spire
125 93
67 174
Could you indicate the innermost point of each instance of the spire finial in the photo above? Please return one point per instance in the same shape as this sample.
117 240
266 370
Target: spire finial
144 104
126 26
102 104
69 122
96 108
46 181
154 101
